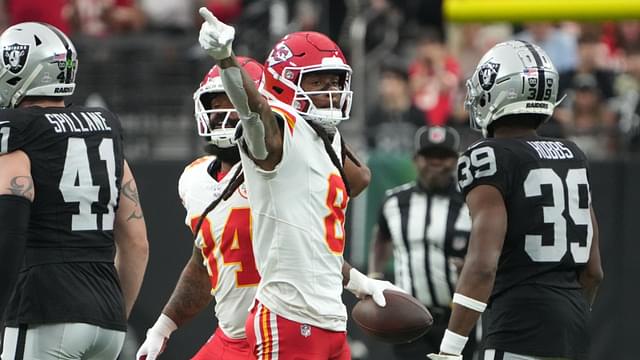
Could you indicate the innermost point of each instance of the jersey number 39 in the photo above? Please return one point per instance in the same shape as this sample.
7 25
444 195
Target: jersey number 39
577 203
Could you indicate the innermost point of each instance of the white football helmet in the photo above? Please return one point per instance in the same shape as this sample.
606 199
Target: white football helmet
37 60
513 77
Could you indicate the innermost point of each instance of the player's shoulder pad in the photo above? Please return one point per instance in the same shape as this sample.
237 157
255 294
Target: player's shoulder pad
286 113
16 118
191 172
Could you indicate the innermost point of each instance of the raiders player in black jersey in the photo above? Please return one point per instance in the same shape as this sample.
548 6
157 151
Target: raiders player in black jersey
533 264
70 217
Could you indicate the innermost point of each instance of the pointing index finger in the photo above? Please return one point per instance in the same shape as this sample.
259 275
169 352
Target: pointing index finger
208 16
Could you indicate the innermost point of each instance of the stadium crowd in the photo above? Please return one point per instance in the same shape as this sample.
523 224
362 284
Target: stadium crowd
417 62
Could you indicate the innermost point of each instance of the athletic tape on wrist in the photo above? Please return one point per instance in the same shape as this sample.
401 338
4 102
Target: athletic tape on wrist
453 343
469 303
164 326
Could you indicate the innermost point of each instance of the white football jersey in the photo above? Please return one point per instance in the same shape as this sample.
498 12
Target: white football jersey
225 242
298 231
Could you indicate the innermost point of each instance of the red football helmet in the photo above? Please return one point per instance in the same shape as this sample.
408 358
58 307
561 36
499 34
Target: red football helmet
218 124
301 53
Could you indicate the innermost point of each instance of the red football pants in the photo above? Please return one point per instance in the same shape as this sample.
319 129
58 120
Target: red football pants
272 337
221 347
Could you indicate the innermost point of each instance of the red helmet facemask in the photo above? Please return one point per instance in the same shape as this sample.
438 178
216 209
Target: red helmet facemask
302 53
218 125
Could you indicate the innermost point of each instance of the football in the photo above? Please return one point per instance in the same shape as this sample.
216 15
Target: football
402 320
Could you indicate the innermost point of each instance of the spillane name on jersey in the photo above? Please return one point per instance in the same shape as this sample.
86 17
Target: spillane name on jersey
77 164
225 242
545 184
298 227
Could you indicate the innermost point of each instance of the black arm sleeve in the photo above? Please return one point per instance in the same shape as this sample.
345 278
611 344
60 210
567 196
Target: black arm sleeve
14 222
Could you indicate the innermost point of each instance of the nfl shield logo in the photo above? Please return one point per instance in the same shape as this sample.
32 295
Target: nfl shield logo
15 56
305 330
487 75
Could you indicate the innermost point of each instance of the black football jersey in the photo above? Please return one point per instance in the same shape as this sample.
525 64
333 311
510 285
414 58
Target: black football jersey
536 307
77 164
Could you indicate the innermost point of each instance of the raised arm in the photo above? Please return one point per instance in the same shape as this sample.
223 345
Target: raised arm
261 132
130 234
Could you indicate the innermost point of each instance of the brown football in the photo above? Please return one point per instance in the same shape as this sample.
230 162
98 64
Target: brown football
402 320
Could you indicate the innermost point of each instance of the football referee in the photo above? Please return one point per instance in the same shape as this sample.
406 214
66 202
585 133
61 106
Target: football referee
425 226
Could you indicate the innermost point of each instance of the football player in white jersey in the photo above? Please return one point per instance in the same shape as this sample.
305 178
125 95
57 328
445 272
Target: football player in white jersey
222 262
293 156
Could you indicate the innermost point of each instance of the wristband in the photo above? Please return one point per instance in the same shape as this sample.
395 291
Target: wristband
164 326
469 303
453 343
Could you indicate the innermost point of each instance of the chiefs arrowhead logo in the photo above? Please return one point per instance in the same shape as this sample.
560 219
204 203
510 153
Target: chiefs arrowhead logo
487 75
15 56
279 54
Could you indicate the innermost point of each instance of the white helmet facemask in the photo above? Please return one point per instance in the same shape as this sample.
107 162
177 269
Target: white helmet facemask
214 124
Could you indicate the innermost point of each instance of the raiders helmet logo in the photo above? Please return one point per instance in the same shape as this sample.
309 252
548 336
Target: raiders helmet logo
487 75
15 56
280 54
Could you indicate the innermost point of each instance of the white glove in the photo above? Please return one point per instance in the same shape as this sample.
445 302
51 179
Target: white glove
434 356
361 286
215 36
157 337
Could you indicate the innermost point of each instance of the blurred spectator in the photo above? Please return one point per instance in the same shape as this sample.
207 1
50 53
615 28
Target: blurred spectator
627 35
383 22
468 42
54 12
171 16
226 11
587 119
392 123
434 76
560 45
418 15
104 17
592 54
627 87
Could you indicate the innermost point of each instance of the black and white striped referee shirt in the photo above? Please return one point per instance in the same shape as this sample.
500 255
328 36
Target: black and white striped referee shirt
426 229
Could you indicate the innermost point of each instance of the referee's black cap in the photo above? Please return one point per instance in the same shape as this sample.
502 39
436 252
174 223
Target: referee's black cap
437 141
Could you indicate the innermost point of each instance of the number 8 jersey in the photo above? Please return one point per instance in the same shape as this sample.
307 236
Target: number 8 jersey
298 215
545 186
77 164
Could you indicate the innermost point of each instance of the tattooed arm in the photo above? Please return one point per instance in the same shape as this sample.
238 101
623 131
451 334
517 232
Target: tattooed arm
16 195
130 234
15 175
191 293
